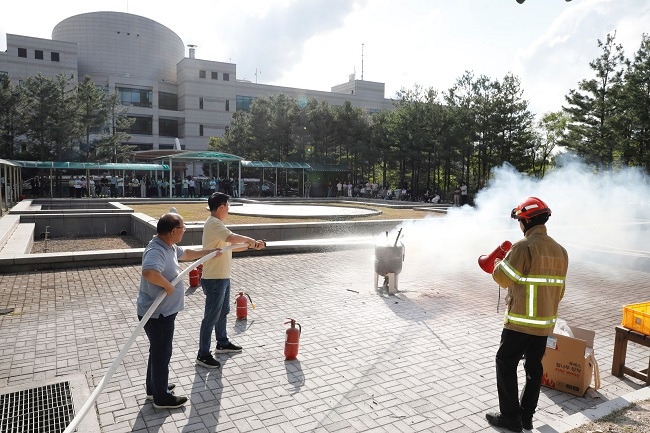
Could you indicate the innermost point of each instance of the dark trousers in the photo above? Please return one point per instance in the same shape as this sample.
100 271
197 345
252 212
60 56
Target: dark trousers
513 346
160 332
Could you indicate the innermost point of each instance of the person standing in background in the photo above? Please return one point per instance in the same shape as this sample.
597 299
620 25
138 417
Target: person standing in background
120 186
457 195
463 194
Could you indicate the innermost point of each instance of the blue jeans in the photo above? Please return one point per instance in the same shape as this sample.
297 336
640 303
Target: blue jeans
217 307
160 332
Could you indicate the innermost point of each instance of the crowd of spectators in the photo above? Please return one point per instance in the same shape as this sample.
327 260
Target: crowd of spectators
197 187
134 186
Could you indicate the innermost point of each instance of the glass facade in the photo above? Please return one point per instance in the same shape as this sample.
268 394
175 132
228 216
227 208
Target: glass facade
167 101
143 125
135 97
244 103
168 127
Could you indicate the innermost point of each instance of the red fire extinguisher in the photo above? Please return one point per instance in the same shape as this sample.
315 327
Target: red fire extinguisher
240 301
292 340
194 278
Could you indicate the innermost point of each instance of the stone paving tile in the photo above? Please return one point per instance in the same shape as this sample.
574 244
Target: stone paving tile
419 361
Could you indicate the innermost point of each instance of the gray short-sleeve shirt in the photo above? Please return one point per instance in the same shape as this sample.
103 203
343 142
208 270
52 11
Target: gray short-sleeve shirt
163 258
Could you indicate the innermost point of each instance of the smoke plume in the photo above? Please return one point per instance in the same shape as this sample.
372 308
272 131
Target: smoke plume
602 217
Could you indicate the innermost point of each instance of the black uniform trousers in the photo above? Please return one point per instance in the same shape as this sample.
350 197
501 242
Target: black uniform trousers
514 345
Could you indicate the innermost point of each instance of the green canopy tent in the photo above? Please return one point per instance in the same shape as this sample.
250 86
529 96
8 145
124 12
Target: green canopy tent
193 156
88 166
275 165
295 166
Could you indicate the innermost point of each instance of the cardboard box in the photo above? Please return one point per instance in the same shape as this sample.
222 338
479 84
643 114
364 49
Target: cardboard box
569 362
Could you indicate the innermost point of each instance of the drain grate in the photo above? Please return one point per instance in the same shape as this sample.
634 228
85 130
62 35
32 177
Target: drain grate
46 409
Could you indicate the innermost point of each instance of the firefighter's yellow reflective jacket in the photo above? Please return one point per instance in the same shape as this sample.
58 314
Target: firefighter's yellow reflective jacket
534 272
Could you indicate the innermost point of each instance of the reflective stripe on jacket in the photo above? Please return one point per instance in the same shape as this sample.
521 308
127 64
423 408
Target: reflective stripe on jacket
534 272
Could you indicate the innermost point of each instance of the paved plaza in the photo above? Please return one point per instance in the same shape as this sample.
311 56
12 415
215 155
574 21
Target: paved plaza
422 360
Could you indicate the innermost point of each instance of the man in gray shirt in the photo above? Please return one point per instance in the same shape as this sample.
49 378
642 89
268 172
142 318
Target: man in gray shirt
159 268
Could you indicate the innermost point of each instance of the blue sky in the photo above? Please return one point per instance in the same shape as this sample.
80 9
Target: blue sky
316 44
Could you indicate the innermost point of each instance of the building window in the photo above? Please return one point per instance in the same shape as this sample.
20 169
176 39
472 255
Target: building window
141 146
227 105
167 101
215 75
54 57
168 127
135 97
243 103
201 74
200 130
22 52
201 103
142 125
226 76
38 54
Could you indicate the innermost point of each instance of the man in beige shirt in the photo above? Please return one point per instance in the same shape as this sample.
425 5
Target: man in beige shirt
216 280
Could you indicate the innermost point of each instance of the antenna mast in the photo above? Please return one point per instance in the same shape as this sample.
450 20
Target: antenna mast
362 62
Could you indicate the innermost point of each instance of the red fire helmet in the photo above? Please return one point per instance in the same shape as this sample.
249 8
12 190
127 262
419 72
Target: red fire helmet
530 208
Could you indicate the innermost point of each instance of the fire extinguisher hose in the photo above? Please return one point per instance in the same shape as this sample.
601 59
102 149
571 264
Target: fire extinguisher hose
111 370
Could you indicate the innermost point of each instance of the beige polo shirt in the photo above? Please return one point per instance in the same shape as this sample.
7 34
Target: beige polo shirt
214 236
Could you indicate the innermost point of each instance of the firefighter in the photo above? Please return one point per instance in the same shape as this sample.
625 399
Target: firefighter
534 273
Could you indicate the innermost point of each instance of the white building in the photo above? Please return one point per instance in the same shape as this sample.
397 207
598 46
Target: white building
169 95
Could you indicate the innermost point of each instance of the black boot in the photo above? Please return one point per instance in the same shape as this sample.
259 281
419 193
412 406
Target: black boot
527 422
498 420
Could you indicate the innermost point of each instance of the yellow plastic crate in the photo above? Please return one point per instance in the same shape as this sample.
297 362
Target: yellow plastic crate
637 317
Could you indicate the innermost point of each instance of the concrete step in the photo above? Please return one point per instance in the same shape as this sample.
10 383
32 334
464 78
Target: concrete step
20 242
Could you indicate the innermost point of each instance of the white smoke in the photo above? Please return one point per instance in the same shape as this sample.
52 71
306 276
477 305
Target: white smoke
603 217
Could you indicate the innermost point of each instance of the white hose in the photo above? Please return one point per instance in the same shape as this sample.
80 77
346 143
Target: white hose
102 384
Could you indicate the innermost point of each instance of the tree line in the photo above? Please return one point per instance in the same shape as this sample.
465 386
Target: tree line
435 140
61 119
